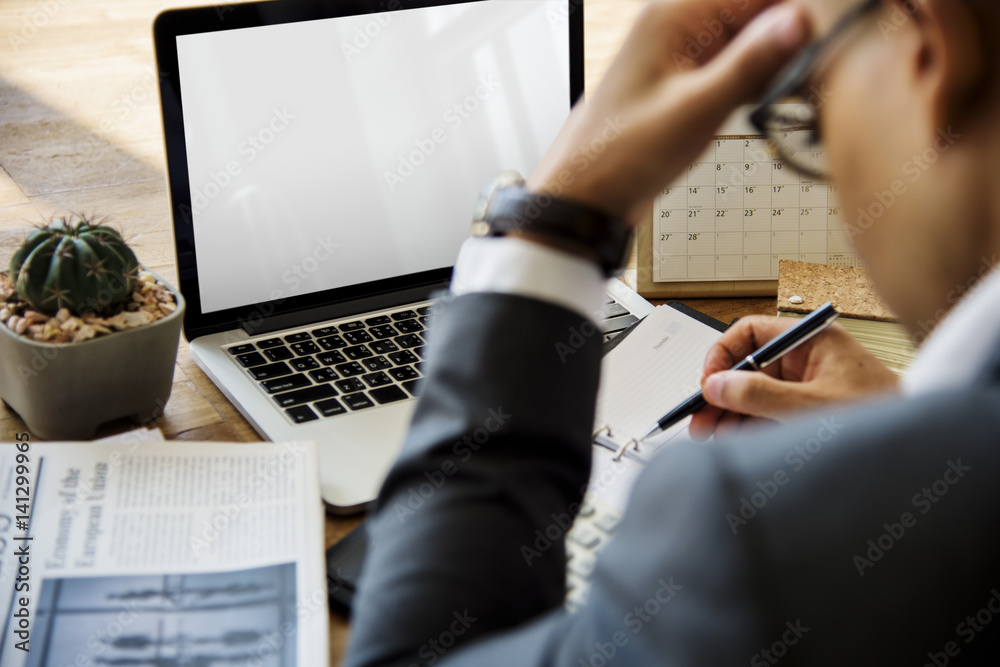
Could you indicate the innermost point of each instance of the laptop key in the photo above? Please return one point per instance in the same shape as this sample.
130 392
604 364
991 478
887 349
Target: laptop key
419 366
424 320
583 564
298 337
332 343
242 349
617 323
376 364
585 536
404 373
384 331
358 401
357 337
403 358
419 351
413 386
409 340
607 521
378 321
279 385
409 326
278 353
270 371
323 375
330 408
388 394
269 343
352 326
350 385
304 364
324 332
302 349
424 310
350 369
614 310
379 379
251 360
301 414
403 315
357 352
330 358
384 346
307 395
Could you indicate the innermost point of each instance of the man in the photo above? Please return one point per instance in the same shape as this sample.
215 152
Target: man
876 540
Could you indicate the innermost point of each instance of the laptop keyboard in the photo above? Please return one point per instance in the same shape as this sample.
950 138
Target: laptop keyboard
593 527
343 367
339 368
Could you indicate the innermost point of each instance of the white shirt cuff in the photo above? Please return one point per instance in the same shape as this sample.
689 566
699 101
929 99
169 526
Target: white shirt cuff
508 265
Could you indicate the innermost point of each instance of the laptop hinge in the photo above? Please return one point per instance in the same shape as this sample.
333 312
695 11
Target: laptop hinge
263 325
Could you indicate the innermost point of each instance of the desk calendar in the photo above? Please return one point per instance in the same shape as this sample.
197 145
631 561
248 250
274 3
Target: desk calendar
722 227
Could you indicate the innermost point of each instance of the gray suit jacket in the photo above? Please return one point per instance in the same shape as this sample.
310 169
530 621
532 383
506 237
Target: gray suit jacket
853 536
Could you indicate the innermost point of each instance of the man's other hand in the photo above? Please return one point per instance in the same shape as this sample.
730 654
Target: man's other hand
831 367
684 68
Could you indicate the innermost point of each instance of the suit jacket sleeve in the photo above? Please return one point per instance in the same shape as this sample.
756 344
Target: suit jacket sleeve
499 444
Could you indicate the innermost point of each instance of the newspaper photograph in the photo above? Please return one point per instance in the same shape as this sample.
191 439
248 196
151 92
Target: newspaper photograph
161 555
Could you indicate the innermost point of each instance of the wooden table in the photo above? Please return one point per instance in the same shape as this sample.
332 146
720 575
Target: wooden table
80 128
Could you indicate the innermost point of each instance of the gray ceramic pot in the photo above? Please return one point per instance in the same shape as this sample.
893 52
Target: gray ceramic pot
65 391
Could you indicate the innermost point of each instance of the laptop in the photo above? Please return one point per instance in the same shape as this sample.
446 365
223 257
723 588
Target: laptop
323 161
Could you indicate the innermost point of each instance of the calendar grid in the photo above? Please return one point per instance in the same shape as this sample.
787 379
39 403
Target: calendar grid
737 211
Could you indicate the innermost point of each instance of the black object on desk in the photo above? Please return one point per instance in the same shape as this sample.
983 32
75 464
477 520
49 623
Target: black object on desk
343 568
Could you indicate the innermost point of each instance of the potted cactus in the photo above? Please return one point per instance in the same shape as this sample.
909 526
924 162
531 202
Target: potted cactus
86 335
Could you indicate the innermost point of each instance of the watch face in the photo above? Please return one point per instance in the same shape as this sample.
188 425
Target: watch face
505 179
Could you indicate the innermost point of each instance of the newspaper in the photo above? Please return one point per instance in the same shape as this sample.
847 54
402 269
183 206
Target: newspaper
141 553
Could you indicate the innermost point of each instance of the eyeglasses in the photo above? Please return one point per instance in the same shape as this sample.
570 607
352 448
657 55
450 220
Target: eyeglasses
789 114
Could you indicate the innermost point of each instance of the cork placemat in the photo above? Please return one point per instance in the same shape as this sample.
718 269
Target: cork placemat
850 289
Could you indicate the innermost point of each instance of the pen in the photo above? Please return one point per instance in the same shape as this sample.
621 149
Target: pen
812 324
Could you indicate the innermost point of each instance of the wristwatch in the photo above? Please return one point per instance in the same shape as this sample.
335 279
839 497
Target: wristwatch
504 206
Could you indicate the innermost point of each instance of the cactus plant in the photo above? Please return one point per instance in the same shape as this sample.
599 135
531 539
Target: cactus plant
74 263
85 337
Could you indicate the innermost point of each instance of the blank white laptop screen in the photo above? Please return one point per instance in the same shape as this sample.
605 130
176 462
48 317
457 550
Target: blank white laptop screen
335 152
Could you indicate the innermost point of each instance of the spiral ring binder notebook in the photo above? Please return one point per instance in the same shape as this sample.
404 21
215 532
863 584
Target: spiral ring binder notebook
655 366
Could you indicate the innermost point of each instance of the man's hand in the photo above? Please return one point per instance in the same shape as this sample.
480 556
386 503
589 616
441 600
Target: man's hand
686 65
829 368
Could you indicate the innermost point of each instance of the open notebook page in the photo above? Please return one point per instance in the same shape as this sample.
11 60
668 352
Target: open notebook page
656 367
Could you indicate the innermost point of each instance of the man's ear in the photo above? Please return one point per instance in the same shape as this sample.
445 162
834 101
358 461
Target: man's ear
951 62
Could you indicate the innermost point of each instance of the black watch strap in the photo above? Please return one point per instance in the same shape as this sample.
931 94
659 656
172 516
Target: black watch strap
513 208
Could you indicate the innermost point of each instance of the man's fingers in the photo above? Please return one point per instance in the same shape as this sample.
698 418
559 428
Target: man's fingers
747 335
728 425
755 394
754 57
703 423
705 26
